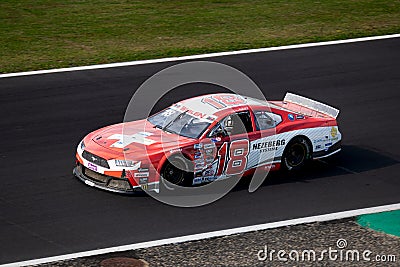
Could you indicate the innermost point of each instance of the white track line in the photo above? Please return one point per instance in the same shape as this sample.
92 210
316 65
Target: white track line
180 239
248 51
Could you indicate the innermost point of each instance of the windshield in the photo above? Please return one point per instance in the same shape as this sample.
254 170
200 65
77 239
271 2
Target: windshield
178 122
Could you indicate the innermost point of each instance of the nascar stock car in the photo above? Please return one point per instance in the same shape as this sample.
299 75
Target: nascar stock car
219 134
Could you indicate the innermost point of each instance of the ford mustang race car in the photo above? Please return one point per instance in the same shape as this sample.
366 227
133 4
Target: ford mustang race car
205 138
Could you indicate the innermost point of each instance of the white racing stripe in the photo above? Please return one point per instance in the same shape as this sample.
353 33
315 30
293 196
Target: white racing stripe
180 239
170 59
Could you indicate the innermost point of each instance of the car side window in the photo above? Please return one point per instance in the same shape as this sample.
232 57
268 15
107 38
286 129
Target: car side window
266 120
236 123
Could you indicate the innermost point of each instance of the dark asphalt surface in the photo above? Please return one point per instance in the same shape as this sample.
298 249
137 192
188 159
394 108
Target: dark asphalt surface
44 211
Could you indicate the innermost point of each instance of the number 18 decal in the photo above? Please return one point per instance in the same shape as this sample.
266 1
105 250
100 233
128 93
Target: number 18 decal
222 101
234 160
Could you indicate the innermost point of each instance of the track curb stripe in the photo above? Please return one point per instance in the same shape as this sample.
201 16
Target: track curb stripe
194 237
219 54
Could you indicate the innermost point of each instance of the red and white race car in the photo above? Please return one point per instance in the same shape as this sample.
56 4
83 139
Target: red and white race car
220 135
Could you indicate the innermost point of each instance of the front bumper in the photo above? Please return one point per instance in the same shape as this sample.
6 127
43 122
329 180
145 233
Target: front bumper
104 182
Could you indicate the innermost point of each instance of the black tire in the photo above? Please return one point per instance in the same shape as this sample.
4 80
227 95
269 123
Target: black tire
175 171
297 153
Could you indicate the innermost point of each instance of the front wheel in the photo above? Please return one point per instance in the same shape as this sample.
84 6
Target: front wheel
296 154
177 172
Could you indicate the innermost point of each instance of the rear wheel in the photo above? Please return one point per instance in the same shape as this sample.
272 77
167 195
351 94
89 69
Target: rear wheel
176 171
296 154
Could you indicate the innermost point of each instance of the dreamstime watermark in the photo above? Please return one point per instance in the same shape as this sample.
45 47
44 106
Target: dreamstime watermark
140 107
338 253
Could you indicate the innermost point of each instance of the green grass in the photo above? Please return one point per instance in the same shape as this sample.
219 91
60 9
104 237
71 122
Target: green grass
40 34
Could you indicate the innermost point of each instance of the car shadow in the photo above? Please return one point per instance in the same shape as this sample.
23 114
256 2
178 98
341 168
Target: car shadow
351 160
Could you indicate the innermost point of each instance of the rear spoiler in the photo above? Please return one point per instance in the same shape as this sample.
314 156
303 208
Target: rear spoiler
311 104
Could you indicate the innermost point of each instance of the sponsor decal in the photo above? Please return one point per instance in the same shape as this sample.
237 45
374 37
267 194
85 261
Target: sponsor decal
197 146
144 186
209 151
209 159
269 166
209 178
326 139
216 139
197 156
168 113
334 132
208 172
143 180
92 166
199 166
327 145
143 169
175 150
197 114
299 117
268 145
201 180
291 116
197 180
199 161
141 174
206 146
320 140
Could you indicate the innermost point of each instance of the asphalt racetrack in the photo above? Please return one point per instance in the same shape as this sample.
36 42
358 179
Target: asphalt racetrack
45 211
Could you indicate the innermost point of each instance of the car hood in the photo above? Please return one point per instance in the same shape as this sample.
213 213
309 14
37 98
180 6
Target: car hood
138 137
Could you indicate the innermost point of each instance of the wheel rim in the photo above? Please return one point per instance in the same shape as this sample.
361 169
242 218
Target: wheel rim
173 173
296 155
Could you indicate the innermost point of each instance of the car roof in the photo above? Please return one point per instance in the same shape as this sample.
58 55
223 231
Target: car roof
211 104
